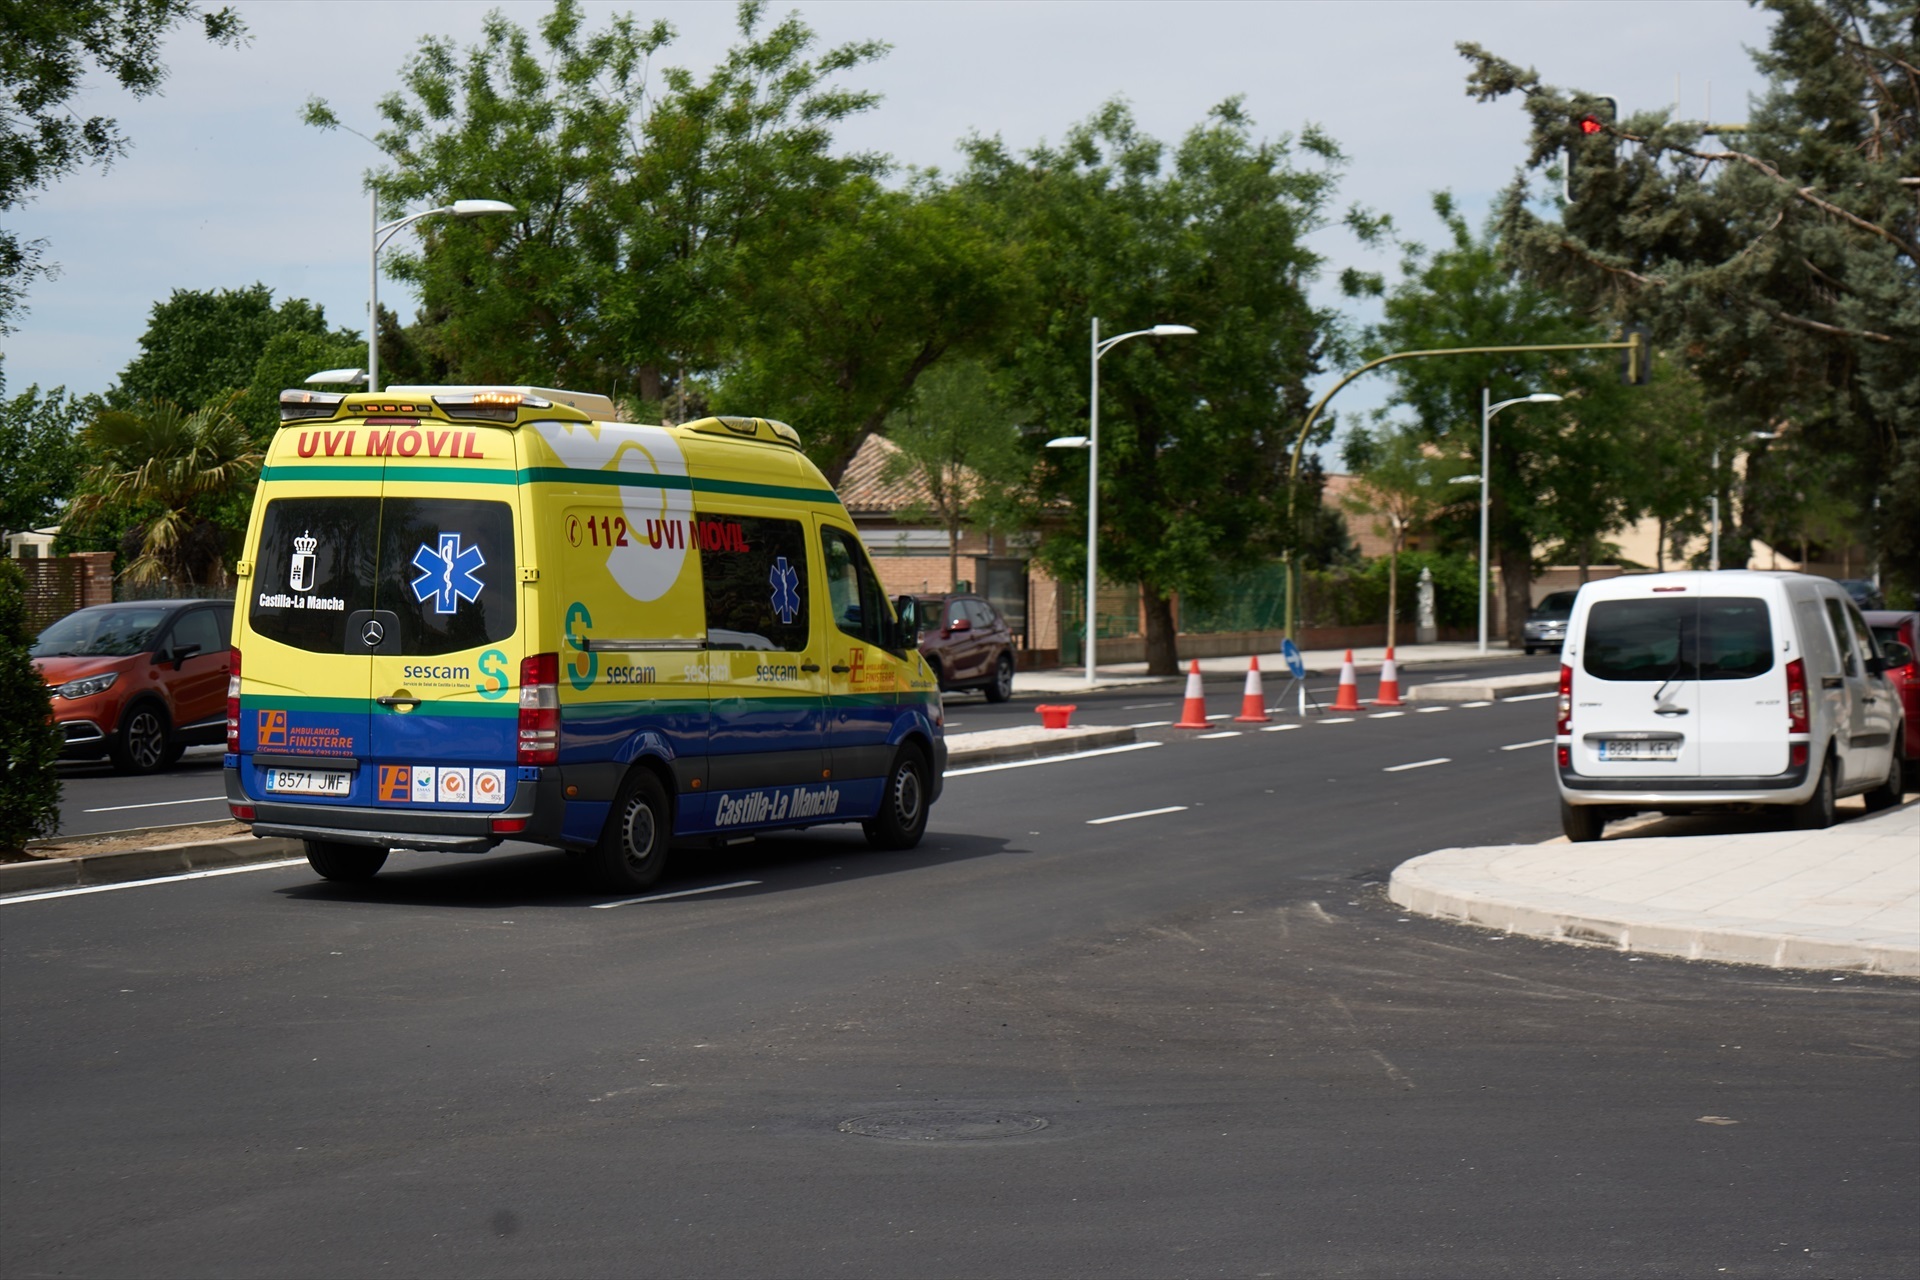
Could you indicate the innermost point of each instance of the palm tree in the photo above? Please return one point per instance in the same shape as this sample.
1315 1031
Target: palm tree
181 466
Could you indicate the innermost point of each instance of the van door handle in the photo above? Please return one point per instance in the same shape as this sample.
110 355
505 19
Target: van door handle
397 701
840 670
1831 682
1670 711
810 666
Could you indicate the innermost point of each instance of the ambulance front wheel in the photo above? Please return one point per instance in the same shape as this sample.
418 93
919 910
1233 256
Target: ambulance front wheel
902 819
632 851
344 862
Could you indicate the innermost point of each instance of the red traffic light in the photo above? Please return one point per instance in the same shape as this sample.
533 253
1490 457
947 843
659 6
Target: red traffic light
1590 124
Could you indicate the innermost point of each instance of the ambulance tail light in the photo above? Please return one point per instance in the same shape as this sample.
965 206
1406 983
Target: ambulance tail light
296 404
539 738
1797 696
490 406
233 701
1563 721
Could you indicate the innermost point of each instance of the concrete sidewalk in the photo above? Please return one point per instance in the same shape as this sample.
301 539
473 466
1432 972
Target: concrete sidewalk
1844 898
1322 662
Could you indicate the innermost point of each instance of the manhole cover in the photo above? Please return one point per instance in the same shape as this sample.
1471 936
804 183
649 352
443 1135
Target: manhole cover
948 1125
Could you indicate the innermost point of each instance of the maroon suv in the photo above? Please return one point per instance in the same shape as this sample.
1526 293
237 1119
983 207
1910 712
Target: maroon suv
967 643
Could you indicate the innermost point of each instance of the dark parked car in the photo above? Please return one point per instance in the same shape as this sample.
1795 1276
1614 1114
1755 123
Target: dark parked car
1546 626
968 644
1863 593
138 682
1894 626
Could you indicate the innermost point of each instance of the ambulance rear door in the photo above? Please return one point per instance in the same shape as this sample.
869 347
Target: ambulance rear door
448 617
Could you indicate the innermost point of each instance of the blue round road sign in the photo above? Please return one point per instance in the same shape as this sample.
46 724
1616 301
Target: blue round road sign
1291 652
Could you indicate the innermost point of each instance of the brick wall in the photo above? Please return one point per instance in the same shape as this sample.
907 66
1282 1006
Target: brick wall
58 586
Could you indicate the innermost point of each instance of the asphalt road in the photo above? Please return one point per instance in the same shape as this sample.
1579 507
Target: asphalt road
1145 1013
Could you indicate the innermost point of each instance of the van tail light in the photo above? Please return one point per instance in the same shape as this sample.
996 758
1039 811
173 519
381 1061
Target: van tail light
1563 723
1797 696
539 739
233 701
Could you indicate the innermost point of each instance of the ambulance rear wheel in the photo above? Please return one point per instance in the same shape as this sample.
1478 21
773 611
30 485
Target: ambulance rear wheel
344 862
632 852
902 819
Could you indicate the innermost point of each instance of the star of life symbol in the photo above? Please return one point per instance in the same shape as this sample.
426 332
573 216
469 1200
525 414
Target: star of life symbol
447 573
300 571
786 590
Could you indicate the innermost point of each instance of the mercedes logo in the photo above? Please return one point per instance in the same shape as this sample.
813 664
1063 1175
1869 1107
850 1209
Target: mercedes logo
373 633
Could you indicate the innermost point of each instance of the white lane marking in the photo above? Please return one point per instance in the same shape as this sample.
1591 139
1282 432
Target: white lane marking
1143 706
1337 720
1279 728
1417 764
1151 724
1144 813
1476 704
1531 697
1385 715
1427 711
157 804
1028 764
77 890
1522 746
1224 715
1230 733
678 893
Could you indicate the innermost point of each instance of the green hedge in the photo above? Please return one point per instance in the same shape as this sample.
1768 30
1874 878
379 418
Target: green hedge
29 740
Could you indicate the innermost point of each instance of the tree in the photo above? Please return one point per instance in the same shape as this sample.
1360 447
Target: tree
43 60
1560 470
1406 480
200 345
640 205
1781 255
29 740
39 454
958 439
193 471
287 360
1195 430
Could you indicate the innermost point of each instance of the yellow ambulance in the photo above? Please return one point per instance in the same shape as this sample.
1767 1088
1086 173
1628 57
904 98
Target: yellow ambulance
470 615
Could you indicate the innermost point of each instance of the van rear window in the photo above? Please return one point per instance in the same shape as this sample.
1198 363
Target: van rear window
1705 638
443 566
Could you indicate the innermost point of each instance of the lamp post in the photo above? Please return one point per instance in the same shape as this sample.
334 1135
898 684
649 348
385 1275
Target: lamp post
1091 443
382 234
1486 470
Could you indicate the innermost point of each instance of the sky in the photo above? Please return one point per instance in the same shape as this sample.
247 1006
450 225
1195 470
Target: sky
224 186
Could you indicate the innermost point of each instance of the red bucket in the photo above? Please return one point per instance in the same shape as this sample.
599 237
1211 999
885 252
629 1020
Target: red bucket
1055 717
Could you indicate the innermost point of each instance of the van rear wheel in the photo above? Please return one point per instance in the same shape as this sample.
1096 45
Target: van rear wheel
1584 823
902 819
1816 813
632 853
346 863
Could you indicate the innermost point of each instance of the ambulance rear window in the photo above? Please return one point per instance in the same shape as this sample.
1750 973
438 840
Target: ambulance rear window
443 568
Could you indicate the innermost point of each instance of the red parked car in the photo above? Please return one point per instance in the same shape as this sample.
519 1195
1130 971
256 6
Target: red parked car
1894 626
967 643
138 682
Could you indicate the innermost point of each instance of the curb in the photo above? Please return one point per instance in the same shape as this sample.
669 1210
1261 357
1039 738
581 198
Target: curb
1483 690
1654 931
203 855
142 864
1059 742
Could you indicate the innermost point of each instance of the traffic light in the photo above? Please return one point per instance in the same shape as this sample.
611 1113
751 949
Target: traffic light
1585 126
1636 359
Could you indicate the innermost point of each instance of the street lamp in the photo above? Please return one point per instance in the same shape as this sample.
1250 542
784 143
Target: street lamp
1486 468
1091 443
382 234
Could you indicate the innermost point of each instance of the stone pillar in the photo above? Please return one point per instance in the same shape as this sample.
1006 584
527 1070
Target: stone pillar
1428 631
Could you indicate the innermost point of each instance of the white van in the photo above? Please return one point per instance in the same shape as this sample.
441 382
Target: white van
1736 689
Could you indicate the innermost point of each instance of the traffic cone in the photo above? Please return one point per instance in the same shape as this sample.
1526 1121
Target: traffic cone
1348 697
1194 714
1389 683
1253 705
